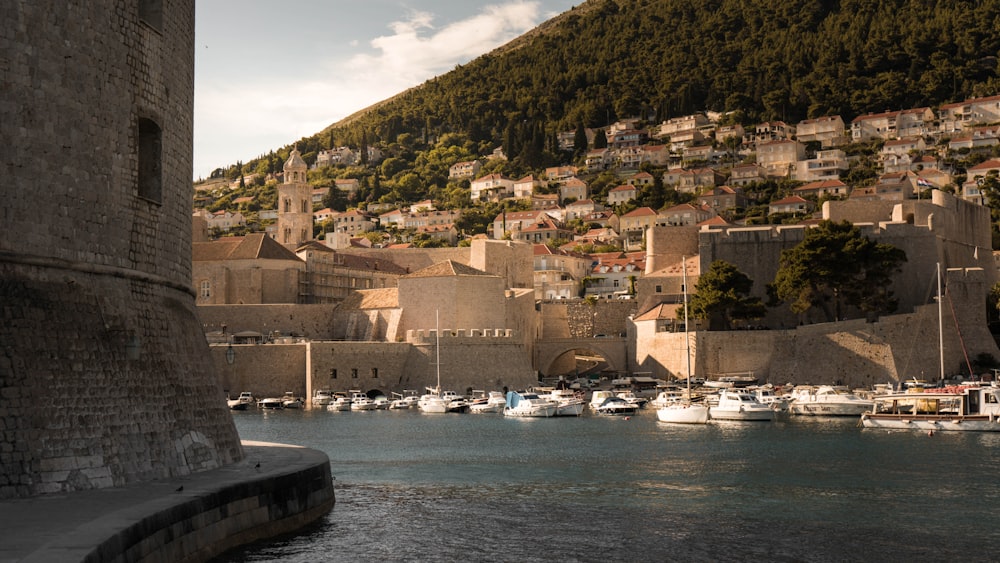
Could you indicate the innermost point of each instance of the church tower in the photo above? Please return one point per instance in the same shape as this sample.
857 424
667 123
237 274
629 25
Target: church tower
295 215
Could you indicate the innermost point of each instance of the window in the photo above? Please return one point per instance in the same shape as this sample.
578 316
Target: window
375 373
659 289
206 289
151 13
333 373
354 373
305 206
150 161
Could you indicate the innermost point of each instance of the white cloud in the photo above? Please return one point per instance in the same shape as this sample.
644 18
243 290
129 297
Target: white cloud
238 120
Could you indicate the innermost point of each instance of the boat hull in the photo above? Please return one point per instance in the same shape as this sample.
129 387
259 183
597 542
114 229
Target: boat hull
535 411
829 409
931 422
683 414
742 414
570 409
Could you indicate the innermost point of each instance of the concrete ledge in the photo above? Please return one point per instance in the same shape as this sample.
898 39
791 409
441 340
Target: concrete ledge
213 511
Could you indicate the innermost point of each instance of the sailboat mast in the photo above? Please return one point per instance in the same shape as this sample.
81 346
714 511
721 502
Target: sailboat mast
437 346
940 323
687 339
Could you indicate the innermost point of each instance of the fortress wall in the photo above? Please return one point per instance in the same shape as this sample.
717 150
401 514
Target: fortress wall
311 321
104 370
666 246
579 318
512 261
414 259
466 361
854 352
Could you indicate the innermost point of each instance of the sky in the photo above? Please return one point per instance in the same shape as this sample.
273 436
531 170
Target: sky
269 73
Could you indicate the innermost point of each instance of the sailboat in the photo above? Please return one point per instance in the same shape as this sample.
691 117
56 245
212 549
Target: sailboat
973 408
434 401
685 412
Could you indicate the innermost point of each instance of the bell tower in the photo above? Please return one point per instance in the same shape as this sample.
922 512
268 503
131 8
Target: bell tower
295 215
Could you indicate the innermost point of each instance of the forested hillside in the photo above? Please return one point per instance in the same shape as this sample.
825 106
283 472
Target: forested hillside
655 59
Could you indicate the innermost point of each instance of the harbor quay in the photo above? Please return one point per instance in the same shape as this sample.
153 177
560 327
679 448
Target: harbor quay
274 490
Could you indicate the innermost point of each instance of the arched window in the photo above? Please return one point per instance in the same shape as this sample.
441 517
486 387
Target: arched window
305 206
288 205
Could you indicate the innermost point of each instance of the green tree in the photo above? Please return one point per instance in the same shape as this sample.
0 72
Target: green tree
835 264
722 295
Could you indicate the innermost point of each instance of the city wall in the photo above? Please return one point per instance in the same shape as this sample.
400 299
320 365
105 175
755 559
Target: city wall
855 352
309 321
477 359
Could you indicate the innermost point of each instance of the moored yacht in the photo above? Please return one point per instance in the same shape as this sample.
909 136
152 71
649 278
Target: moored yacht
528 405
827 400
740 404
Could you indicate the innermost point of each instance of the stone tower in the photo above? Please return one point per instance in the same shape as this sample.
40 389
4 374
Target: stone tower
295 215
105 374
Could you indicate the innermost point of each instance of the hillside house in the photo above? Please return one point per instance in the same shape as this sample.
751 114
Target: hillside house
676 125
598 159
513 220
558 274
975 138
684 214
335 156
525 187
633 225
352 221
721 198
573 189
959 116
744 174
768 132
691 180
826 165
465 169
829 131
612 277
823 188
791 204
581 208
778 158
492 187
560 173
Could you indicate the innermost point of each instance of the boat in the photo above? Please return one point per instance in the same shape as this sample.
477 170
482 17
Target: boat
685 411
827 400
434 400
728 381
614 406
341 402
381 402
290 401
322 398
405 400
528 405
568 402
965 408
740 404
241 403
632 398
492 402
361 402
667 397
271 403
959 408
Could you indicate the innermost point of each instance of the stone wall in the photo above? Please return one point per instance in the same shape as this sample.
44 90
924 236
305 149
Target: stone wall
855 352
310 321
105 377
665 246
468 359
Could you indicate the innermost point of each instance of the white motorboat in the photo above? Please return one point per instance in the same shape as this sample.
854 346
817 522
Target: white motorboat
322 398
381 402
684 411
361 402
405 400
341 402
529 405
740 404
432 402
290 401
241 403
631 398
614 406
827 400
568 402
271 403
492 402
667 397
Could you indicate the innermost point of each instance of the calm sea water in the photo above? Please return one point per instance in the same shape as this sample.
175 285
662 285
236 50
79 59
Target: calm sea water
467 487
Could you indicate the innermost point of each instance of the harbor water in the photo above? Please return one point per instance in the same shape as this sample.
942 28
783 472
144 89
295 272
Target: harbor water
476 487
